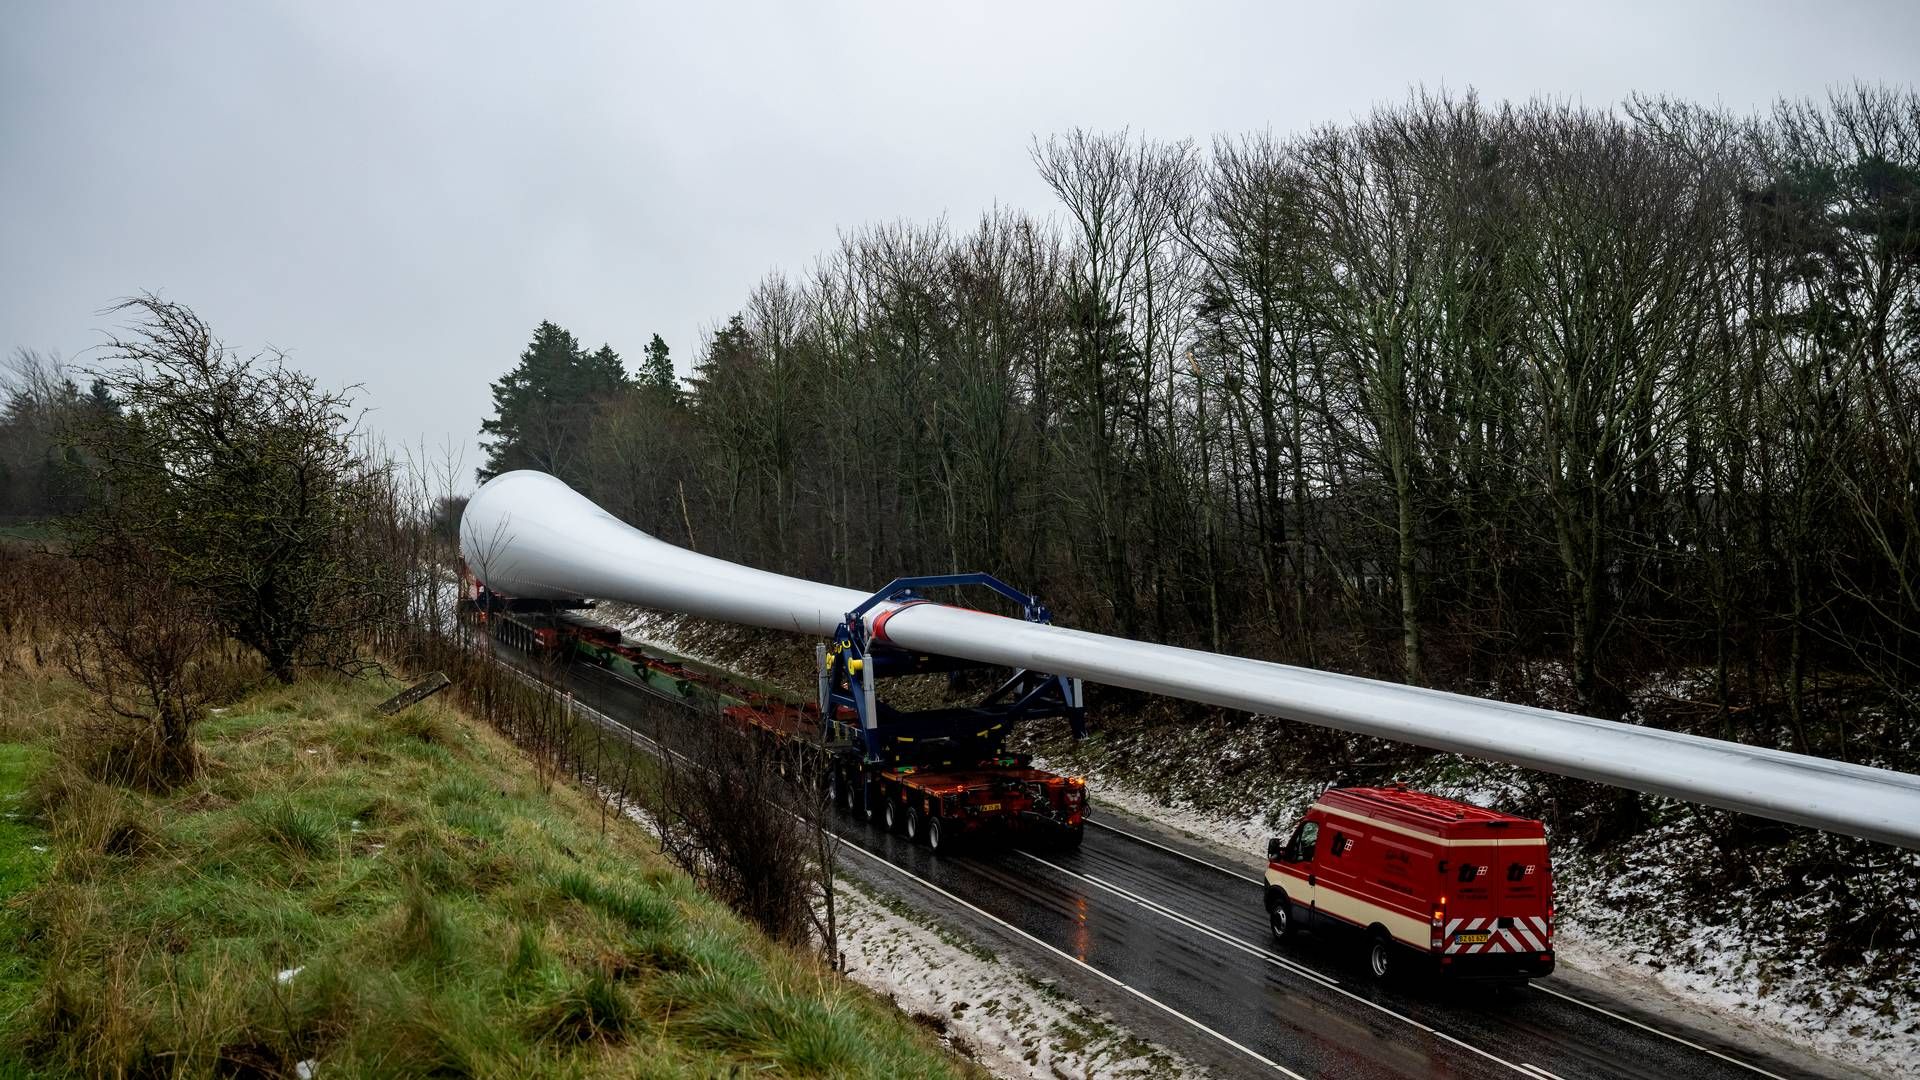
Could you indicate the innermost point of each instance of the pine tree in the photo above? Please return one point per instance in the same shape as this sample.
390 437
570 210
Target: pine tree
544 407
656 369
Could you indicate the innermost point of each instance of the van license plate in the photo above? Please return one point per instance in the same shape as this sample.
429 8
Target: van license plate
989 807
1471 939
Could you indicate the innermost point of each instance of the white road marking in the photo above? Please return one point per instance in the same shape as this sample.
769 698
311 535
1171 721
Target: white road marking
1069 957
1280 961
1537 1070
1663 1034
1210 931
1177 851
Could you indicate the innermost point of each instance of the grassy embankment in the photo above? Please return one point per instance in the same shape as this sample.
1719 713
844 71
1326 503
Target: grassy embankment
380 897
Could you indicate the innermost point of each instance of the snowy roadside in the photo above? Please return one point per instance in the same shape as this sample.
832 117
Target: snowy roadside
1013 1024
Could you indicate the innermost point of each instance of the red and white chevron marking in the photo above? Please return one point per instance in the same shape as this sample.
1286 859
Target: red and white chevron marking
1529 933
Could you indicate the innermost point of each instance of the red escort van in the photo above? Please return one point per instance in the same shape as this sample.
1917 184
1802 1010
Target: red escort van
1454 887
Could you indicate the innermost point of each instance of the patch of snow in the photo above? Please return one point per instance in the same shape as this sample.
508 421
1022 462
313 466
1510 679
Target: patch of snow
303 1070
1010 1022
286 975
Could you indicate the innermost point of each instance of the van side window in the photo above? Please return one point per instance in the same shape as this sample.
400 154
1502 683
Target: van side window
1304 838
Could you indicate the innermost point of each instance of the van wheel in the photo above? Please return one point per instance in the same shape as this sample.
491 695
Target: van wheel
1381 961
1282 919
1071 839
915 824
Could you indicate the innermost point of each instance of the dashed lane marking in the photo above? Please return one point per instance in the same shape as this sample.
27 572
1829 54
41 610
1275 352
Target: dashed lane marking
1749 1066
1070 958
1278 960
1176 851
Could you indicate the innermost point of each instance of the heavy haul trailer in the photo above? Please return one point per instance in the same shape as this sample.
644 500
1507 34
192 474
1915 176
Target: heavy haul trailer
937 776
942 775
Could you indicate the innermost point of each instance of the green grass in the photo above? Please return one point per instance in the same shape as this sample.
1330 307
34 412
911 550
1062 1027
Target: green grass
439 911
25 860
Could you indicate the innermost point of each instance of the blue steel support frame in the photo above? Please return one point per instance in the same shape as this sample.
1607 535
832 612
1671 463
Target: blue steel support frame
854 663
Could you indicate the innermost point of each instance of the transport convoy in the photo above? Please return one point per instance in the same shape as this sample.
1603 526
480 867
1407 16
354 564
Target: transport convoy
1427 882
936 776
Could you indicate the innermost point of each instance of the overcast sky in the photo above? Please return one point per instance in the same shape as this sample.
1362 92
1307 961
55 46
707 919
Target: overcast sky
396 197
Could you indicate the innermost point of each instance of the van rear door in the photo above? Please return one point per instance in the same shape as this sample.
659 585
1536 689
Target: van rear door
1472 902
1525 888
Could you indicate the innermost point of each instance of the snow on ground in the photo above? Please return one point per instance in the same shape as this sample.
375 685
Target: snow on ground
657 628
1010 1022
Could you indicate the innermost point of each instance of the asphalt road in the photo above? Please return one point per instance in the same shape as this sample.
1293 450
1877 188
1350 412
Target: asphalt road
1175 945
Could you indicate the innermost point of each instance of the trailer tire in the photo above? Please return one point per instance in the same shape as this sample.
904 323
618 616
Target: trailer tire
936 835
870 792
851 795
836 787
892 815
916 824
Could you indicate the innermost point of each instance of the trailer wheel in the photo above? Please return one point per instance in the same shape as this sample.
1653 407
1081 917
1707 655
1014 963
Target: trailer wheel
836 787
892 817
850 794
1381 961
869 792
916 824
936 834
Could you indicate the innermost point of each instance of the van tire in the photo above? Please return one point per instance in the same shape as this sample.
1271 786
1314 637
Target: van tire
1281 919
1383 959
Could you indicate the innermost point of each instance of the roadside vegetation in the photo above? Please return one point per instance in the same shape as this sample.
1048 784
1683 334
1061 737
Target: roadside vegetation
376 896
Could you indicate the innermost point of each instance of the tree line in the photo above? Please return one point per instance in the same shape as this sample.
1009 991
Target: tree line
1436 395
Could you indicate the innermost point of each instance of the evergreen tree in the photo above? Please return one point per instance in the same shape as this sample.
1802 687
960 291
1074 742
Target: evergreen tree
656 369
544 408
